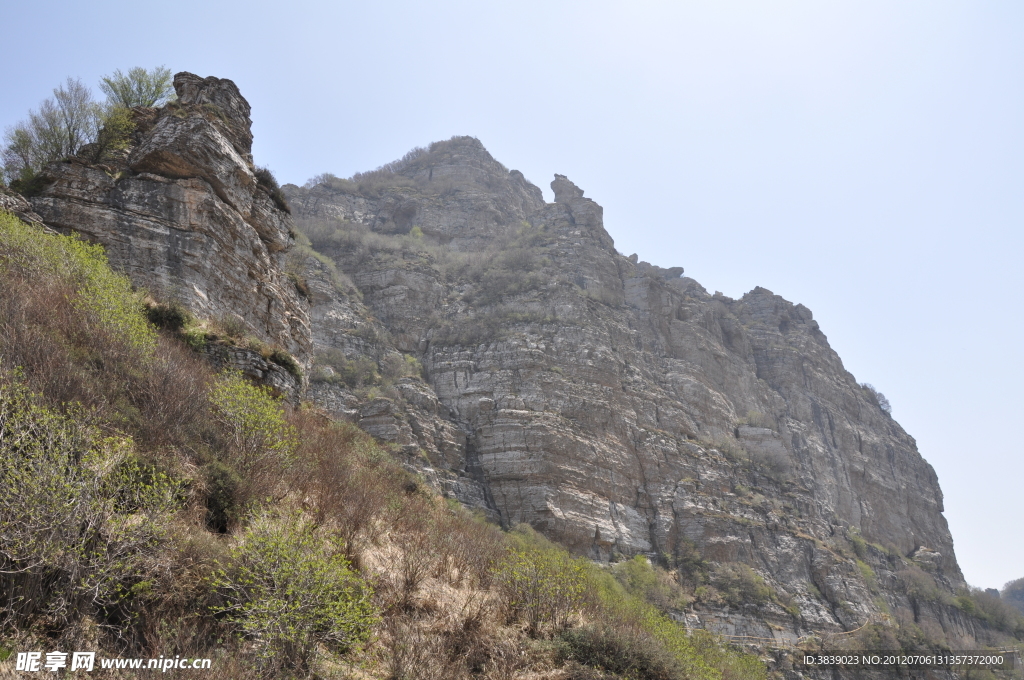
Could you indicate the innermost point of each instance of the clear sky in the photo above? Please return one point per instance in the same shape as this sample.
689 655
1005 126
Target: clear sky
864 158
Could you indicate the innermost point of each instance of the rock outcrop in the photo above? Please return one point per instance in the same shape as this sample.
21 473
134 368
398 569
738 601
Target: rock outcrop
617 406
185 214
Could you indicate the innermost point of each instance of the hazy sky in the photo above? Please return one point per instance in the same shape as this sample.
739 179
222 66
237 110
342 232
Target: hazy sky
864 158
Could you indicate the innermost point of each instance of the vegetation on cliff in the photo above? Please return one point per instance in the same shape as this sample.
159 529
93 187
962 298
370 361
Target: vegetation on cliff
149 506
72 123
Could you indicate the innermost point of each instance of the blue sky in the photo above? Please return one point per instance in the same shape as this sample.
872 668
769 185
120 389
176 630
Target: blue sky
863 158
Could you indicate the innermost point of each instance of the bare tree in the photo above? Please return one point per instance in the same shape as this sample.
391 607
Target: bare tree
59 128
77 114
880 399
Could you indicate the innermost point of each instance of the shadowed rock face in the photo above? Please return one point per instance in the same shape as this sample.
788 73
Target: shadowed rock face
184 215
617 406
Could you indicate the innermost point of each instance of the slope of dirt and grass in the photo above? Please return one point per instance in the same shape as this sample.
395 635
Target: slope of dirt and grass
150 506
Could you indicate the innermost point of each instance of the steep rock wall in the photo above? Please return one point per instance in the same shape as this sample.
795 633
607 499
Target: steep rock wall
619 407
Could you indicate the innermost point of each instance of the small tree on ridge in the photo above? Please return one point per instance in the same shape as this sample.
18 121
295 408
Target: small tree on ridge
138 87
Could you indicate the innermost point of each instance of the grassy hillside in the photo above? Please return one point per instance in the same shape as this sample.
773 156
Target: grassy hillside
150 506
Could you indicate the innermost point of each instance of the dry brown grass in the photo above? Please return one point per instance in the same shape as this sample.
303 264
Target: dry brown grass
432 563
158 398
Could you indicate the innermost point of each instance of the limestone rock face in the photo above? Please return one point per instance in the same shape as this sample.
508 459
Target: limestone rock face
184 215
348 339
616 406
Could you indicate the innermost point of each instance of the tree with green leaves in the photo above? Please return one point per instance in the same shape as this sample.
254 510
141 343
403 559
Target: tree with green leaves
72 123
138 87
113 136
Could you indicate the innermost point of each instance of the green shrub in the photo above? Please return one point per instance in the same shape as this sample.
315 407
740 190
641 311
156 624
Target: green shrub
540 583
194 337
739 584
222 484
287 362
261 441
106 296
230 325
29 183
651 584
689 563
868 574
295 267
265 178
697 655
921 586
757 419
171 316
860 546
79 517
301 285
289 588
966 604
358 372
114 135
629 652
396 366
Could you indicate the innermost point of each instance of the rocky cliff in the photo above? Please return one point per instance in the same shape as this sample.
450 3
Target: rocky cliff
617 406
523 366
183 211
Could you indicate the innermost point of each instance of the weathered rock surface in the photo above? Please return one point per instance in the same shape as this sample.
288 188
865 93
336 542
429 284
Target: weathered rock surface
184 215
17 205
251 363
407 414
467 198
617 406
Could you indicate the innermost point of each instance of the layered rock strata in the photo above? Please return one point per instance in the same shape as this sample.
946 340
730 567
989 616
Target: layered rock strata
619 407
184 214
